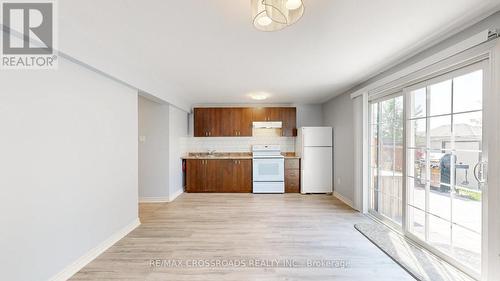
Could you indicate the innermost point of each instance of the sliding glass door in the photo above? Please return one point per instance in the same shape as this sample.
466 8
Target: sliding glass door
427 168
444 164
386 134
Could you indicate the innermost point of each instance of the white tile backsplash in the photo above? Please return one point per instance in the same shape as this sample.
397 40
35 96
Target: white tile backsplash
235 144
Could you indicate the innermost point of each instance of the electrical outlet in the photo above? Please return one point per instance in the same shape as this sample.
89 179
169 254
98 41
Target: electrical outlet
142 139
338 180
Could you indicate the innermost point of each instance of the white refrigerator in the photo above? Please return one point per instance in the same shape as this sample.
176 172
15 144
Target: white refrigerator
314 145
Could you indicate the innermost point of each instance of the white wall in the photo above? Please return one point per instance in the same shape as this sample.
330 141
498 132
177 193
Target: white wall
338 113
178 124
236 144
309 115
68 167
154 150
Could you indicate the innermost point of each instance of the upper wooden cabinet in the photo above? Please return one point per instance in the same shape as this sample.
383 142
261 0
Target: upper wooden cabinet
240 120
262 114
289 119
207 122
237 121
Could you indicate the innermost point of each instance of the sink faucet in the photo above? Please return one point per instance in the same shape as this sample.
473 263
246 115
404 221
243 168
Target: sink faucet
211 152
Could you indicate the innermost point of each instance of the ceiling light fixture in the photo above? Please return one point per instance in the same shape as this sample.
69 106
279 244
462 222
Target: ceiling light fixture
259 95
272 15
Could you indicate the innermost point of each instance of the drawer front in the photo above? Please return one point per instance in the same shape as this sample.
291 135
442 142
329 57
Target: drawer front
292 174
292 187
292 164
292 181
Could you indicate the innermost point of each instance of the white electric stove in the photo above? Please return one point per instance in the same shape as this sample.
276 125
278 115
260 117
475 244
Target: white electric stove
268 169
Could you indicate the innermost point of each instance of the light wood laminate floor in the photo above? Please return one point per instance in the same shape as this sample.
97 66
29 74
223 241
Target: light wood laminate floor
247 235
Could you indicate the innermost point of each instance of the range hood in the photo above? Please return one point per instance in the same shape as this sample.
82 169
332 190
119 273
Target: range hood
267 125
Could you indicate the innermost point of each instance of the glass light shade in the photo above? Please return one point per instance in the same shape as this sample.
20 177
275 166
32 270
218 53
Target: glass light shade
293 4
272 15
264 21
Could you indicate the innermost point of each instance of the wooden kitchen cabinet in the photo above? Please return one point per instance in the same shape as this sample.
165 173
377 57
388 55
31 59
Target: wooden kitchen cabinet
289 118
237 121
236 175
208 122
199 122
240 120
218 175
201 175
292 175
266 114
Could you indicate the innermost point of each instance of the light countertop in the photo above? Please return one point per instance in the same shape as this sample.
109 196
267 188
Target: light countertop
231 155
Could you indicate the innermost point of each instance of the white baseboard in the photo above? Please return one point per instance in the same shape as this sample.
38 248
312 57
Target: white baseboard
345 200
176 194
162 199
81 262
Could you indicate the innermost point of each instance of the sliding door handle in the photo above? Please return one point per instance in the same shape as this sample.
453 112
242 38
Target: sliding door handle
479 171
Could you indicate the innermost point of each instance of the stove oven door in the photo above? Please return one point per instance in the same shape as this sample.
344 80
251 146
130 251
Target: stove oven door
268 170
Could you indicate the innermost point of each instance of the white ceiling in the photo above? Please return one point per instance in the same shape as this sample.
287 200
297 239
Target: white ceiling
207 51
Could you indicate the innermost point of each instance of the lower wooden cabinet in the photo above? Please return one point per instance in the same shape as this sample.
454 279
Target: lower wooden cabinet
218 175
292 175
201 175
